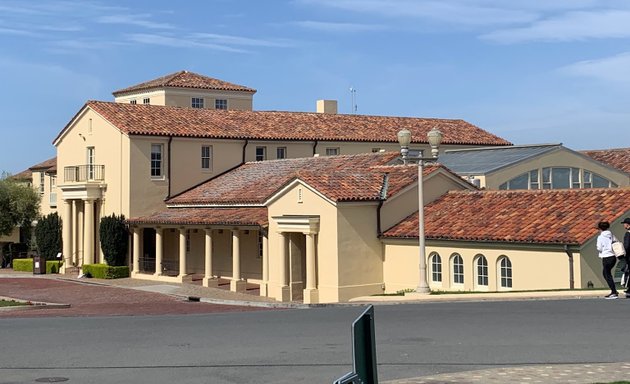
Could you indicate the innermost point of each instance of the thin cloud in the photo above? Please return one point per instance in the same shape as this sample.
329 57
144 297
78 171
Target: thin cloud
18 32
471 13
339 27
177 42
238 40
612 69
135 20
571 26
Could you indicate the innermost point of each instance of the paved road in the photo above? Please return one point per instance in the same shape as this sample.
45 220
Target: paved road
312 345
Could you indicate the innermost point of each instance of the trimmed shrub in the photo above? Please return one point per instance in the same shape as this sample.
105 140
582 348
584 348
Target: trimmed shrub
23 265
114 237
26 265
104 271
52 266
48 236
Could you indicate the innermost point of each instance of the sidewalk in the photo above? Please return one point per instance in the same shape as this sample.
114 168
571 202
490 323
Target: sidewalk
547 374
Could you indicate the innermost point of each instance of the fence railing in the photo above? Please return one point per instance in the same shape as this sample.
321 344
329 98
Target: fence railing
88 172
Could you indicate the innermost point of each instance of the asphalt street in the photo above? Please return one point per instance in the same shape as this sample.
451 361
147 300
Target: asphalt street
311 345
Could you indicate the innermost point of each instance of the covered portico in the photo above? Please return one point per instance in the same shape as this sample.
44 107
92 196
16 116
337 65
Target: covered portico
227 243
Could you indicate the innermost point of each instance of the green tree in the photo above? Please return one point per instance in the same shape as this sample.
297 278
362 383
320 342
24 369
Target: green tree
19 206
48 236
114 237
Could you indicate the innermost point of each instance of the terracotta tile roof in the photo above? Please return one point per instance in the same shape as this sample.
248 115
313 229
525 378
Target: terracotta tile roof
26 174
206 216
155 120
340 178
548 217
49 165
617 158
185 79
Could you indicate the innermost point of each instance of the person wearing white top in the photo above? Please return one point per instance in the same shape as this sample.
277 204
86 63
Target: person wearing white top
604 247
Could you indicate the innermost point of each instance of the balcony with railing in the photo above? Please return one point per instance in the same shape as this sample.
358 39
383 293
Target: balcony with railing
84 173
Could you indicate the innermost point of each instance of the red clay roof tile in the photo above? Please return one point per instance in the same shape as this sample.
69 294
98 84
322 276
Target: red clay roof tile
184 79
548 216
155 120
617 158
357 177
206 216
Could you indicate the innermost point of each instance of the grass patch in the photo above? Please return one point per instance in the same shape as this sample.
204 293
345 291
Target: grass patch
616 382
11 303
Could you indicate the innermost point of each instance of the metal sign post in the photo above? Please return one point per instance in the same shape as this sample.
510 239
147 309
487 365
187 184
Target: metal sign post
363 351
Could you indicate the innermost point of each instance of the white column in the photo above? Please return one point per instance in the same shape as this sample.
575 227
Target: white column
88 228
311 295
182 253
67 233
136 250
79 233
208 280
285 292
75 229
158 251
265 264
310 261
236 284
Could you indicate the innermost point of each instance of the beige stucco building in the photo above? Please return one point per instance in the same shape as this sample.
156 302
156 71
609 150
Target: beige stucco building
127 157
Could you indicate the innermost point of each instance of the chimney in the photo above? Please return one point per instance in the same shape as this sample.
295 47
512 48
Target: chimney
327 106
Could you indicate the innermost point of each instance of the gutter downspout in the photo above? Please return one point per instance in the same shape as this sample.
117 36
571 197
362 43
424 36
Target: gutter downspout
244 148
170 139
571 273
382 196
315 147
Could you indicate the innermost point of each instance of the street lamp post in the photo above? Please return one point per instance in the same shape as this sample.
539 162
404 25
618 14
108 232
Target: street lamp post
435 138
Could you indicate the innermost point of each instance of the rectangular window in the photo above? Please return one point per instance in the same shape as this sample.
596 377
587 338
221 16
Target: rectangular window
575 178
546 176
90 163
332 151
196 102
156 160
560 178
220 104
133 102
53 182
261 153
588 180
41 183
206 157
146 100
533 180
281 153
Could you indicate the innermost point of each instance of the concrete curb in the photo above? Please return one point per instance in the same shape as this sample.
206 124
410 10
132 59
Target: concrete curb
31 305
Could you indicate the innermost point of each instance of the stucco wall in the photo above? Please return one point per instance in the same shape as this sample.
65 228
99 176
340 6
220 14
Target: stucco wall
532 269
360 251
326 240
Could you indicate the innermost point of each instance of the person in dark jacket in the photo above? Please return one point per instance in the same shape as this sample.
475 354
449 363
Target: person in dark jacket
626 246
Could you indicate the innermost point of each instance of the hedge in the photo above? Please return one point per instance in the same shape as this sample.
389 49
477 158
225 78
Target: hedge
26 265
104 271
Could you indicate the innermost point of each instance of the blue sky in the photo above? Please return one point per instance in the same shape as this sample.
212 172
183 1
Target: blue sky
529 71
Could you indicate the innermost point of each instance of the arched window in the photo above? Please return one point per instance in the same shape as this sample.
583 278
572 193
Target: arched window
458 269
481 270
505 268
558 178
436 267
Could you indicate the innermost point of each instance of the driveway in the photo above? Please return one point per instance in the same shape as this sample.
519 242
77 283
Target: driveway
86 299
